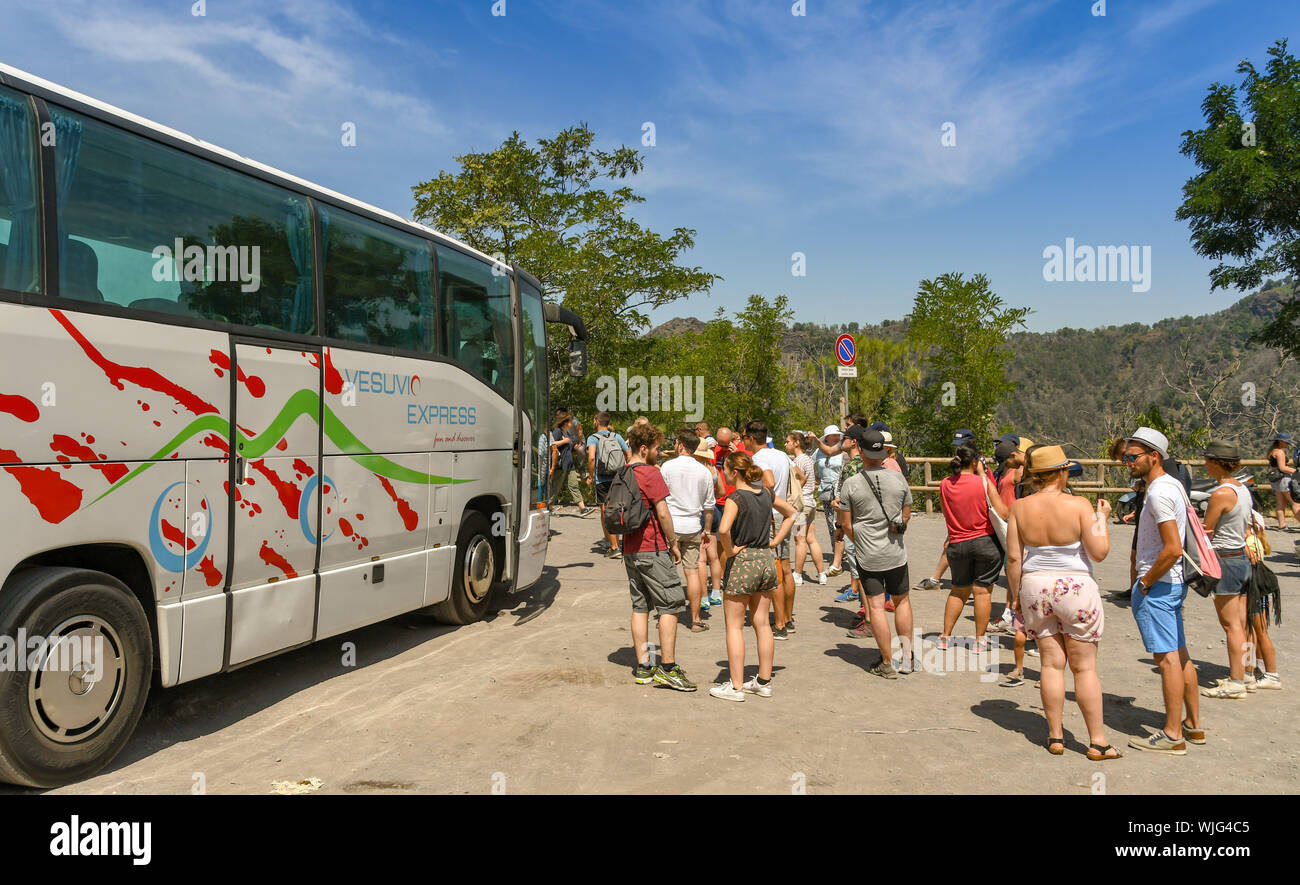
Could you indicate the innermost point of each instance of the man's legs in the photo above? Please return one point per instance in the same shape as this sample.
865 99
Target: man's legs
837 557
903 620
640 633
880 624
1191 690
783 595
1171 684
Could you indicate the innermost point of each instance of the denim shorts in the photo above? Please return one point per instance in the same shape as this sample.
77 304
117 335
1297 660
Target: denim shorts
1236 576
1159 616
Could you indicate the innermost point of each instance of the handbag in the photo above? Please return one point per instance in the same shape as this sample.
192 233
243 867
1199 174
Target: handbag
999 524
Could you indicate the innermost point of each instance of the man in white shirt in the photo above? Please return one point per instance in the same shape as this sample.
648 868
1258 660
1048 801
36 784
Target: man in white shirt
776 477
690 503
1160 590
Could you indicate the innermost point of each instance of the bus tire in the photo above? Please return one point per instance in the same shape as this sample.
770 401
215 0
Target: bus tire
54 731
478 565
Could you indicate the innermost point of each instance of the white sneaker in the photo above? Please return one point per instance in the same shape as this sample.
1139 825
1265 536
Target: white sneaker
821 577
1269 683
752 686
1032 652
798 579
727 692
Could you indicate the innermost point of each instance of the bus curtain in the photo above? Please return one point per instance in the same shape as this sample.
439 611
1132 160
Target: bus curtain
16 180
297 230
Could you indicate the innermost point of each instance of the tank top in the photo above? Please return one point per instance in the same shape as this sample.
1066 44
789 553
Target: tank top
1066 558
1230 530
753 524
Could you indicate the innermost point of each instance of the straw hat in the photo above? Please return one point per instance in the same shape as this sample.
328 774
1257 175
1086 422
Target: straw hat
1045 458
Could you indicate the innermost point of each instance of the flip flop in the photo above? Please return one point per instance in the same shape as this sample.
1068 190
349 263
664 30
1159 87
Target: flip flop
699 628
1055 751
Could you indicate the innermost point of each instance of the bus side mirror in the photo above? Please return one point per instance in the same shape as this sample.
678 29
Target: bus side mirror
577 358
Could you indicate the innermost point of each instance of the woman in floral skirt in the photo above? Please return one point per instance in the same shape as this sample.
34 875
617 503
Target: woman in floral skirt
1053 538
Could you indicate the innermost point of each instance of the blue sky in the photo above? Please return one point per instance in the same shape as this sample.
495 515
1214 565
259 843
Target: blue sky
775 133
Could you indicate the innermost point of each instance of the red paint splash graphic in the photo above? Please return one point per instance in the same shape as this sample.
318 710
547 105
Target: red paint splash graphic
290 495
300 466
208 566
333 380
53 496
282 445
409 516
355 537
176 536
67 447
213 441
20 407
270 557
256 386
139 375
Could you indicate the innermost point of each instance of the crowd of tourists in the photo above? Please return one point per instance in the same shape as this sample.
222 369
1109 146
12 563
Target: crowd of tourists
737 511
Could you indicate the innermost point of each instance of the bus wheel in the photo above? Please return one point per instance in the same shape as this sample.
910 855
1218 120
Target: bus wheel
80 674
478 563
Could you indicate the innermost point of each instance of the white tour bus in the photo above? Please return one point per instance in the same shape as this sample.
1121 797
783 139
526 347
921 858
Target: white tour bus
239 413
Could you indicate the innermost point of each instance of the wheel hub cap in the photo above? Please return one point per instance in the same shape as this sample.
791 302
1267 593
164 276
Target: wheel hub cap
77 679
480 566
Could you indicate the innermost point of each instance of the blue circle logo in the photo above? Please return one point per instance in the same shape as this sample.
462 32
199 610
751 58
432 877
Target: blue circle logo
158 545
304 506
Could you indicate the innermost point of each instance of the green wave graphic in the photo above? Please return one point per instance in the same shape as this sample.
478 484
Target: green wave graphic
304 402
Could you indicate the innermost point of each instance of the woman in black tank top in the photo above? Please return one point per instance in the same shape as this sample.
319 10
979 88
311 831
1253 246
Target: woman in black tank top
749 573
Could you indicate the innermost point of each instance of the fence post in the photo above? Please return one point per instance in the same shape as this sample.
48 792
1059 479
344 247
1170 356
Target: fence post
929 499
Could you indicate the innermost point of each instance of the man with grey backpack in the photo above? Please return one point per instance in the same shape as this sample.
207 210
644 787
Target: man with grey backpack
606 453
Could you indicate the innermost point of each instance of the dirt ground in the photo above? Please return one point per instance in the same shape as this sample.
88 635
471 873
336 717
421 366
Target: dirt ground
539 699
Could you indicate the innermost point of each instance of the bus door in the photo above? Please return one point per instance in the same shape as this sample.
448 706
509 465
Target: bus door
276 495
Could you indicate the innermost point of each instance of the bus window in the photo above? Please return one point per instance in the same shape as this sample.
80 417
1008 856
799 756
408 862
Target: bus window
378 283
148 227
477 332
19 218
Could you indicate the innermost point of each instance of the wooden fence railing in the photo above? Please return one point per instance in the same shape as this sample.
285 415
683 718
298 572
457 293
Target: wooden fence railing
1082 486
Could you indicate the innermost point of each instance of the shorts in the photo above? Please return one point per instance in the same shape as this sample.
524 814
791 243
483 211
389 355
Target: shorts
718 510
785 550
1236 576
800 522
1068 603
893 581
690 546
652 580
1281 485
1159 616
975 562
752 570
602 491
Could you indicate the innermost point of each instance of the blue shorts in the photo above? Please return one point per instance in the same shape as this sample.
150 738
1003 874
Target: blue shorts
1159 616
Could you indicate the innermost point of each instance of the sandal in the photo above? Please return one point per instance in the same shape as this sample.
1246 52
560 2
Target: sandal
1098 753
1055 751
699 628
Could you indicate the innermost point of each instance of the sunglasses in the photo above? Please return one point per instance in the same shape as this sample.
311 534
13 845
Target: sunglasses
1130 459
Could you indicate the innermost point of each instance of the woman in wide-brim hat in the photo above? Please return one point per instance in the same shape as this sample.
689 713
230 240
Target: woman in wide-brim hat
1053 538
1280 474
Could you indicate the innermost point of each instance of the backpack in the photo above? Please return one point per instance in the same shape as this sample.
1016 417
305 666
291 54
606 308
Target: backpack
625 508
1198 554
609 454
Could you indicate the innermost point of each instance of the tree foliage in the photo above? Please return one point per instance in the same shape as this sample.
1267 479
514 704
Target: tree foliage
961 327
561 211
1244 205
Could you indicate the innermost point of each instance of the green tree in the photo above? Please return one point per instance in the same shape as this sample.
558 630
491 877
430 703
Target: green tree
560 211
1244 204
961 328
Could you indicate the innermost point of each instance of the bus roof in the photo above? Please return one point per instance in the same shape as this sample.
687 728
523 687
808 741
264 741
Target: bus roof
13 77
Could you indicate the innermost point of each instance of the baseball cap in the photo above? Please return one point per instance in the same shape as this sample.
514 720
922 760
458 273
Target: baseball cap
964 435
831 429
880 425
871 442
1151 438
1003 450
1011 438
